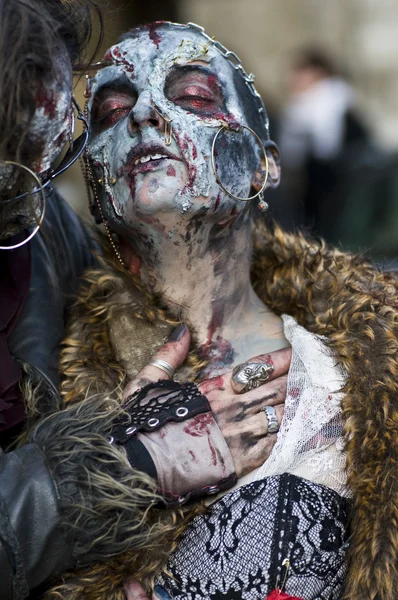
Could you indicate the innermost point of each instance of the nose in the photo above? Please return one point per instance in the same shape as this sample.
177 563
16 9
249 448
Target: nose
143 114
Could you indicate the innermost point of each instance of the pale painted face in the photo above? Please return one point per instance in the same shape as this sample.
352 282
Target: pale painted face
49 131
51 126
168 73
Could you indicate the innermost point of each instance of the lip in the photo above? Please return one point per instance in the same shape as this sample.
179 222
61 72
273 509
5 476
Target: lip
144 150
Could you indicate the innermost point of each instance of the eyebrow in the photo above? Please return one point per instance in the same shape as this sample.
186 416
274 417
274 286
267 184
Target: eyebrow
121 84
177 70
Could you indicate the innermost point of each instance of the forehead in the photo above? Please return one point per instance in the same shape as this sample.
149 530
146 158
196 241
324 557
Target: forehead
148 54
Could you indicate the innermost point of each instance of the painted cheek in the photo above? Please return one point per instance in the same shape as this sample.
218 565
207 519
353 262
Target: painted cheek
47 100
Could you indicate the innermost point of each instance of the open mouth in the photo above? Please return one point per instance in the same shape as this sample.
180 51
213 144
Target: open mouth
148 157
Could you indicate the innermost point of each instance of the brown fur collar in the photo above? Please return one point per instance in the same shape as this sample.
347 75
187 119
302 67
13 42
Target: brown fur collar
329 292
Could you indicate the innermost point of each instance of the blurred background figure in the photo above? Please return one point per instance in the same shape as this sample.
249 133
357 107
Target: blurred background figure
339 183
318 129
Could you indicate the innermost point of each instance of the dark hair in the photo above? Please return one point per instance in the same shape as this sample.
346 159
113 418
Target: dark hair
32 33
314 58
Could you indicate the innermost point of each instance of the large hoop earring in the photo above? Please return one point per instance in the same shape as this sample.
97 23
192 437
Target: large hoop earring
260 194
34 191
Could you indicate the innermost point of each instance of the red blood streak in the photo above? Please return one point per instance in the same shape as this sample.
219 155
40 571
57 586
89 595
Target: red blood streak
216 383
213 452
47 100
171 172
154 35
215 323
266 358
129 67
199 425
194 459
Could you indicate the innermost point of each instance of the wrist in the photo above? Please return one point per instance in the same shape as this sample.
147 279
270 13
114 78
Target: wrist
185 446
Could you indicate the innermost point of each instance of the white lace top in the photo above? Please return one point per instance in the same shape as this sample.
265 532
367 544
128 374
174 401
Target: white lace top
310 442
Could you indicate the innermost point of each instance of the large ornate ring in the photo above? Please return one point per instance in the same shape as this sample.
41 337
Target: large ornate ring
270 413
250 375
164 366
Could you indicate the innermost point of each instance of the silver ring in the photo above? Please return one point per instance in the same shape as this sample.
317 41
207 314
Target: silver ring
250 375
270 413
164 366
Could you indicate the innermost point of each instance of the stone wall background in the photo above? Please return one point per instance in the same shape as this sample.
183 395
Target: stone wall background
361 34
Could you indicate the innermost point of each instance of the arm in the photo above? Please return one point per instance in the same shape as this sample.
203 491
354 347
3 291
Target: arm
32 546
70 473
61 252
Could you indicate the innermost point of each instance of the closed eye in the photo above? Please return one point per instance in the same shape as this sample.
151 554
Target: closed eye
110 107
195 89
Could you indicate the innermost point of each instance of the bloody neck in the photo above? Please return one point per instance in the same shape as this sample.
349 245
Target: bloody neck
202 271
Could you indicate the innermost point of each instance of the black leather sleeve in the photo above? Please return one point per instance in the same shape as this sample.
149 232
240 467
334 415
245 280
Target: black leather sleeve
60 252
32 547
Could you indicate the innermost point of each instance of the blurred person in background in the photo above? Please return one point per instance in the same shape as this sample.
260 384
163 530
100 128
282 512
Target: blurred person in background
318 129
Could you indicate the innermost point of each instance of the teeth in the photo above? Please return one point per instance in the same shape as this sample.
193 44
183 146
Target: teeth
145 159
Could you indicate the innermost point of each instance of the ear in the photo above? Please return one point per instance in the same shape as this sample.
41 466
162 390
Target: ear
274 168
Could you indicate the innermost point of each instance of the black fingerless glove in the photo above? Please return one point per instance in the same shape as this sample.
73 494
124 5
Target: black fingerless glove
170 432
97 452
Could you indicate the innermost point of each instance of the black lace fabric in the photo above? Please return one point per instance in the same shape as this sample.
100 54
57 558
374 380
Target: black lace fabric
166 400
236 549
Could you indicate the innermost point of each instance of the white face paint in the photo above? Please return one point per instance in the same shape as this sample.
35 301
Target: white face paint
49 131
51 126
163 73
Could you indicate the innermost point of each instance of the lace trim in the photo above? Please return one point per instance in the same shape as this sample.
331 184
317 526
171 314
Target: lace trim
236 550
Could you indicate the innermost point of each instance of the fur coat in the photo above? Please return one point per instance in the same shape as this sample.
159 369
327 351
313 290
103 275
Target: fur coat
335 294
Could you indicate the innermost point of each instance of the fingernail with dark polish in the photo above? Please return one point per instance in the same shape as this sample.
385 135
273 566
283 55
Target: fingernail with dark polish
177 333
161 592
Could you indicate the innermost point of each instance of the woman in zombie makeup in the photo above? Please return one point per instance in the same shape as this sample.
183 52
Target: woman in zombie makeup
65 472
178 160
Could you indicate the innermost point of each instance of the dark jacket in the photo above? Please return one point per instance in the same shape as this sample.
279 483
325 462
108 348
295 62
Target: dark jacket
31 547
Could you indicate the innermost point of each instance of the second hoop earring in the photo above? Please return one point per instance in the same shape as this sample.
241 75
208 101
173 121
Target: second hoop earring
39 189
260 194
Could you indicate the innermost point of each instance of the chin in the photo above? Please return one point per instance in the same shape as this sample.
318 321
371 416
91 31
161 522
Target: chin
155 193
